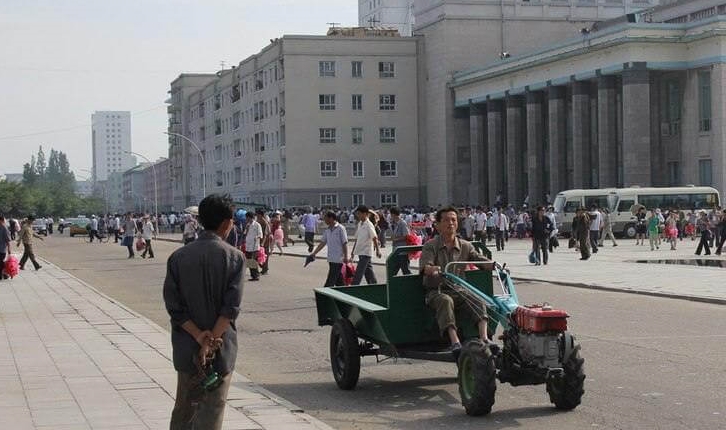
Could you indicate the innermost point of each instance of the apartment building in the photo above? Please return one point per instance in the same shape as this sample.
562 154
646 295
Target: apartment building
110 143
309 120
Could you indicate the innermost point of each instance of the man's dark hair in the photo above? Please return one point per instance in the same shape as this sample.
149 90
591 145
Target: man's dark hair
331 215
395 210
214 210
362 209
2 218
440 213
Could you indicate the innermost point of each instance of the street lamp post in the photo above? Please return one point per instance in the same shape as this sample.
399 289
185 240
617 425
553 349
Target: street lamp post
156 191
201 157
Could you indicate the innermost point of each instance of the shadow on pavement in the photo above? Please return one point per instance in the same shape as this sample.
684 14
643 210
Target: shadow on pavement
428 402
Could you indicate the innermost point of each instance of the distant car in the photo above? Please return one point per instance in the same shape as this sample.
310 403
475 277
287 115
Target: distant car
78 226
39 227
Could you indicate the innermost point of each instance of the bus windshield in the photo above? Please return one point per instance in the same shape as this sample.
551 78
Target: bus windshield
560 203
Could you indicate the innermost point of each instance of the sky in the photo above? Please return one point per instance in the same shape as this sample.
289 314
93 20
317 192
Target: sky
61 60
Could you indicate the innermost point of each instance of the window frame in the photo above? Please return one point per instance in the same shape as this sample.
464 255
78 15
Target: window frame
386 69
362 174
394 169
328 140
353 135
392 138
325 173
387 102
326 101
326 204
353 73
325 70
392 203
359 106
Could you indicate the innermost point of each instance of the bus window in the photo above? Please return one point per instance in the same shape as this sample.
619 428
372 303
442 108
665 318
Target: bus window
571 206
651 201
559 204
600 201
625 205
704 201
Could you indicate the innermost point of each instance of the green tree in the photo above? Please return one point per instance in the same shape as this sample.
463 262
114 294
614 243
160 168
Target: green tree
40 164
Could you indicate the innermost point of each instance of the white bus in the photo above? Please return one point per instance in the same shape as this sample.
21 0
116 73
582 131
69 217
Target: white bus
567 202
679 198
620 201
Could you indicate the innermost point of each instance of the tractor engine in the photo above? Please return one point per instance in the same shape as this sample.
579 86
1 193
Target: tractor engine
539 330
532 344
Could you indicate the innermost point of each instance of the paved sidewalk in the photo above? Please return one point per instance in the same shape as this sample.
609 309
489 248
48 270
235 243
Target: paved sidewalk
613 268
72 358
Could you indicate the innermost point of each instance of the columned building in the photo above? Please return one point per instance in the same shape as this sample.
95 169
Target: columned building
459 35
637 101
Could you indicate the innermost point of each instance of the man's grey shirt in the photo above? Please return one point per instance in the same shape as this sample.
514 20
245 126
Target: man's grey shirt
335 237
400 229
203 281
4 240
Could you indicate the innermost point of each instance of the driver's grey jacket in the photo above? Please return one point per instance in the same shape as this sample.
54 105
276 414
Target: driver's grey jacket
435 253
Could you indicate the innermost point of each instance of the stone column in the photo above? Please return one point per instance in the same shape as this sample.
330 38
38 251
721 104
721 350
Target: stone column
495 149
636 126
516 150
477 140
535 148
607 132
557 139
581 134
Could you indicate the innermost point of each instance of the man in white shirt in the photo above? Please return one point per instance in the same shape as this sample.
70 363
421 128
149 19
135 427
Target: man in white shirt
336 239
595 225
480 225
469 224
252 245
94 229
366 241
501 224
147 232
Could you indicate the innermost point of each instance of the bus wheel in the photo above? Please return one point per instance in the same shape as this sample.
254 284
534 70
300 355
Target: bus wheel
629 231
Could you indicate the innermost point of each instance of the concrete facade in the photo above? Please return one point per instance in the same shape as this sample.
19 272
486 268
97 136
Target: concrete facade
459 35
309 120
396 14
110 143
631 103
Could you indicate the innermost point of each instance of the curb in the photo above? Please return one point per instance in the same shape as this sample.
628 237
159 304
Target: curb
291 407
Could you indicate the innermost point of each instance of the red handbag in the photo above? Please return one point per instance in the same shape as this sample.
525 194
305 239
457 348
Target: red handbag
140 244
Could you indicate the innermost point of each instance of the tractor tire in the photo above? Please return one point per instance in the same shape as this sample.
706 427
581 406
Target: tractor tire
477 378
566 391
344 354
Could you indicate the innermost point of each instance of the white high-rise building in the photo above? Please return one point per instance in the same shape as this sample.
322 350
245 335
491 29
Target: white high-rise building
396 14
111 143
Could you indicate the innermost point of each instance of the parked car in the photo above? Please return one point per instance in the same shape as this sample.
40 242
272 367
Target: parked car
78 226
39 227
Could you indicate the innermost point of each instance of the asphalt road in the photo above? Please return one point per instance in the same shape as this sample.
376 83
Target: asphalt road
650 362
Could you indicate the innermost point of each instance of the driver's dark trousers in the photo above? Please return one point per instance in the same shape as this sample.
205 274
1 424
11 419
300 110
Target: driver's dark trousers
450 305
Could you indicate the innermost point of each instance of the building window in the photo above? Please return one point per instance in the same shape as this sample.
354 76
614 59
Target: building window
201 110
237 175
357 69
328 169
218 153
386 69
356 102
327 135
328 200
358 199
674 174
387 102
217 127
389 199
219 178
202 133
326 101
357 169
387 134
217 101
388 168
235 93
327 69
235 120
356 135
704 101
237 148
705 177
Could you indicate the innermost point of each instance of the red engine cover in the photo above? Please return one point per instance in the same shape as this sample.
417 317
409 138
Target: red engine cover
540 318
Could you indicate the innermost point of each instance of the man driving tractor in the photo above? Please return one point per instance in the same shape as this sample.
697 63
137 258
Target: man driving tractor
435 255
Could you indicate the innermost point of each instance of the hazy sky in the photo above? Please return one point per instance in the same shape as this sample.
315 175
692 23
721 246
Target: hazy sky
61 60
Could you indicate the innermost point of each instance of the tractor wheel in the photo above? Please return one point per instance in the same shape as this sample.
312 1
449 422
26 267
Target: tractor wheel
566 391
344 354
477 378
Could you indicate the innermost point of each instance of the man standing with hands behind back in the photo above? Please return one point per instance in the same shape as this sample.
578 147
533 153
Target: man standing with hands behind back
202 293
